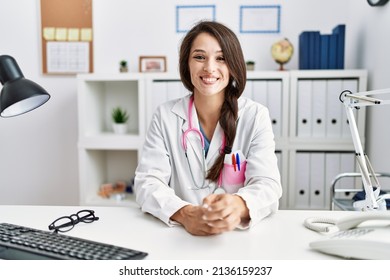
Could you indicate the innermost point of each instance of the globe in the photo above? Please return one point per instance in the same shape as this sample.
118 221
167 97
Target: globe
282 52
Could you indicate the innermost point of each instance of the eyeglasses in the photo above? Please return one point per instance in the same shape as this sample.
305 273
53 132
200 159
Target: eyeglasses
66 223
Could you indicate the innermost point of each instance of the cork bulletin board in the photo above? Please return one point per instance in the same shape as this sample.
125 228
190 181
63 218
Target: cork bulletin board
67 37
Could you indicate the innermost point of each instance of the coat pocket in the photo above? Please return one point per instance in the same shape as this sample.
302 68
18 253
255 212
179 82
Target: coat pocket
232 178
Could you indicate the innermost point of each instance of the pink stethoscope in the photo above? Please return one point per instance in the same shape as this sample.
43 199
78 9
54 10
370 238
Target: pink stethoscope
184 144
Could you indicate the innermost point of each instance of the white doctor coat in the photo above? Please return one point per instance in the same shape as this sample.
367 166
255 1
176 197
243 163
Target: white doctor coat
163 182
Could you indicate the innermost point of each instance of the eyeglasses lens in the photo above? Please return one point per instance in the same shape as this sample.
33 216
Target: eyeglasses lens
62 224
86 216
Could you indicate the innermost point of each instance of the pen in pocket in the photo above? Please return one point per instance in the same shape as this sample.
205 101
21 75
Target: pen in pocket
234 162
238 161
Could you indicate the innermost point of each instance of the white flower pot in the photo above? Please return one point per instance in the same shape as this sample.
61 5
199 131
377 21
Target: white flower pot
120 128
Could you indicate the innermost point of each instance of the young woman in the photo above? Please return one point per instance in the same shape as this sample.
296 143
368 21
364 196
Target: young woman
208 161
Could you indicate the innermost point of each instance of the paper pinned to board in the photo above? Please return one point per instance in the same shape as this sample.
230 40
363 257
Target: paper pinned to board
49 33
73 34
86 34
67 57
61 34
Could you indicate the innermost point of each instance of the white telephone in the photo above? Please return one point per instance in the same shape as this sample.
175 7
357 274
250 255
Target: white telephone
362 235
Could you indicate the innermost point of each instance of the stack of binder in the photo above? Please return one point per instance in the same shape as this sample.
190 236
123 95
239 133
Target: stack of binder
320 114
269 93
326 51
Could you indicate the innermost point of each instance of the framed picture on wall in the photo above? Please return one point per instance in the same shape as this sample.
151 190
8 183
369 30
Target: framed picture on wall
260 19
152 64
188 15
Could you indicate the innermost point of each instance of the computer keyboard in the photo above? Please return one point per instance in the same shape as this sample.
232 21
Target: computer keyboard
23 243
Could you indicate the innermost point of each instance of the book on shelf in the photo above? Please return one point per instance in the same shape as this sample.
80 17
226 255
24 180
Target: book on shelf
333 39
324 57
322 51
315 60
339 31
304 49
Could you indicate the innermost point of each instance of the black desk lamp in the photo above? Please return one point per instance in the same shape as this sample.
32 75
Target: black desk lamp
18 95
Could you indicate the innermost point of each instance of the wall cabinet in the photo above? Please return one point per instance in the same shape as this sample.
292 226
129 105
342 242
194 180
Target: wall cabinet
313 142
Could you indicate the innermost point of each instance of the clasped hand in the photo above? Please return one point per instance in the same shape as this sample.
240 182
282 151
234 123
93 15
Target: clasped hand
217 214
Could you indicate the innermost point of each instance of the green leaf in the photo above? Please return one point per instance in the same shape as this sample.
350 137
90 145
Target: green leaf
119 115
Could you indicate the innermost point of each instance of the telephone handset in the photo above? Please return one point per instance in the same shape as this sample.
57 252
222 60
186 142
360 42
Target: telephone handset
349 240
355 220
327 224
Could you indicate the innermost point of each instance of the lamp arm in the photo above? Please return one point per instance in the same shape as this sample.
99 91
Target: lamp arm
370 200
355 101
372 92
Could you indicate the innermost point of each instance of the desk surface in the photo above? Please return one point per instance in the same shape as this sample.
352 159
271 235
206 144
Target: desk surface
281 236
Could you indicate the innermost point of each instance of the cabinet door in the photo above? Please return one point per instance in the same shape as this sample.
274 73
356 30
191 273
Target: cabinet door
314 174
302 180
318 108
274 98
319 112
260 92
334 109
304 108
159 94
317 180
268 93
332 166
249 90
175 89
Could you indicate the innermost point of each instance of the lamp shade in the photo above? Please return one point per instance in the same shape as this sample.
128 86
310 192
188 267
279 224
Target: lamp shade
18 94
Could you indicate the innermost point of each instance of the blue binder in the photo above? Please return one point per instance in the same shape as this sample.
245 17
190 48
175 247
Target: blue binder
304 50
316 50
333 39
324 60
339 31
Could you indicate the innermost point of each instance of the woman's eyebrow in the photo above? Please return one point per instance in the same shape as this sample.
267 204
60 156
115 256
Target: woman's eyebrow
203 51
198 50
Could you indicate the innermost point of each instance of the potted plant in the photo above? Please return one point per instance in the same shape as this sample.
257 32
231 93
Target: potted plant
250 65
123 66
119 118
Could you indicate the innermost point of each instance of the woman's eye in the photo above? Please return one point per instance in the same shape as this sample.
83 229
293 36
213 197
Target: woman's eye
199 57
221 58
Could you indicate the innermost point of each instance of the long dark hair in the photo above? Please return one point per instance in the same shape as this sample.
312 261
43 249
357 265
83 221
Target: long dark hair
235 62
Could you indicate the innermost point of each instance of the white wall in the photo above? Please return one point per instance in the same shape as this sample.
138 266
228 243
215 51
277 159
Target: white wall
126 31
372 40
38 151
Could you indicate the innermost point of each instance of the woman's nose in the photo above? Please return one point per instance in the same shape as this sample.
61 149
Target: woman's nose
209 67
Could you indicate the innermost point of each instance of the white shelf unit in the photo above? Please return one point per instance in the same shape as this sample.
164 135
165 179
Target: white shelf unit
320 143
106 157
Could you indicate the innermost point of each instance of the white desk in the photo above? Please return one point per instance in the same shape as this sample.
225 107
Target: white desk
278 237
